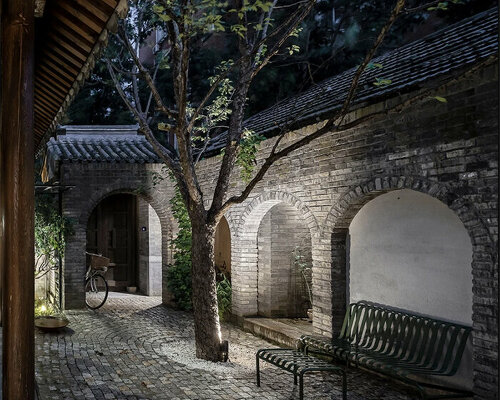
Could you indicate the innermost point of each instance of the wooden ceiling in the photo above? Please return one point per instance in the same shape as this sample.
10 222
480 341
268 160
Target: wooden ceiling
69 36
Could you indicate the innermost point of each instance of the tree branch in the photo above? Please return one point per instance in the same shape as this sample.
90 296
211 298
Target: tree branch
332 125
145 74
165 154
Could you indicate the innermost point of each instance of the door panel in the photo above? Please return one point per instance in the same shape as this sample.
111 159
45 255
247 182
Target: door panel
111 232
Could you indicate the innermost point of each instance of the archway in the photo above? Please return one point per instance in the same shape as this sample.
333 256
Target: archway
409 250
223 248
126 229
284 264
336 229
250 274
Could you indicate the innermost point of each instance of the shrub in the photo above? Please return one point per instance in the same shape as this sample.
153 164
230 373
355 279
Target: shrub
179 273
224 295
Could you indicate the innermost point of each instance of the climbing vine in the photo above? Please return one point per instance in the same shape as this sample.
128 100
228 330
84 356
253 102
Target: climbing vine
179 273
51 232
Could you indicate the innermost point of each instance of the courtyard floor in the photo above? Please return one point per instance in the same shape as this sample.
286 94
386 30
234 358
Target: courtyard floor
135 348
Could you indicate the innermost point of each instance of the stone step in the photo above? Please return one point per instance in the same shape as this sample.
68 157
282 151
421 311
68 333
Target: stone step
281 331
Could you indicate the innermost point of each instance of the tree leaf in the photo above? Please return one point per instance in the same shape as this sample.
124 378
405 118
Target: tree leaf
440 99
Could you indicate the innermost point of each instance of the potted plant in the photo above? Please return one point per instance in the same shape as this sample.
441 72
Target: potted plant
47 317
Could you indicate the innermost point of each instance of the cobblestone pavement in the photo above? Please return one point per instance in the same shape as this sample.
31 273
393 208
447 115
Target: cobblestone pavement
135 348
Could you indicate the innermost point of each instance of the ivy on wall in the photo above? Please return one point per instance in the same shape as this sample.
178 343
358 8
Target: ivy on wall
179 273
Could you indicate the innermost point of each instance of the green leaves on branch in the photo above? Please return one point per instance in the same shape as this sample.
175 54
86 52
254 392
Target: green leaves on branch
293 49
380 82
207 16
374 65
247 150
443 5
51 232
249 146
440 99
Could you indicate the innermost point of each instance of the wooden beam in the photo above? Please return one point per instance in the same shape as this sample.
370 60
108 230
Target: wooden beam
17 198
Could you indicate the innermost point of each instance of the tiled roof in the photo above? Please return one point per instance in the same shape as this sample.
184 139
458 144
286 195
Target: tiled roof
119 144
436 56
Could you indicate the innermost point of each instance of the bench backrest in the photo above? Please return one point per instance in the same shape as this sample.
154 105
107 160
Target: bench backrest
414 339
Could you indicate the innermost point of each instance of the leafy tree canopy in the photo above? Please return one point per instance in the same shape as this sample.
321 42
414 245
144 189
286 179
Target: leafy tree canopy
333 38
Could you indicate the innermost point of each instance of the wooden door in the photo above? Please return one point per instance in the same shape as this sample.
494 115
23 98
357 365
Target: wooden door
111 232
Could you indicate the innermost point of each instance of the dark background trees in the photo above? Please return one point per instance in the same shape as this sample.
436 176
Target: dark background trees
334 37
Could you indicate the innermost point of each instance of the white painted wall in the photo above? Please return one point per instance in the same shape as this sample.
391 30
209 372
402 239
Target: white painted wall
410 251
150 258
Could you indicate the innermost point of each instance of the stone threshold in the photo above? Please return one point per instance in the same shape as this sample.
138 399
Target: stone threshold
281 331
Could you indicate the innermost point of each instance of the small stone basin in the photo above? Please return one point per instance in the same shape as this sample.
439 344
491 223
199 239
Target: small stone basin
51 323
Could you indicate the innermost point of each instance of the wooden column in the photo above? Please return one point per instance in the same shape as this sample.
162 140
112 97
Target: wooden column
17 198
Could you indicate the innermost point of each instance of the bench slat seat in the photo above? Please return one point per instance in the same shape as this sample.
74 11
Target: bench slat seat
396 343
298 364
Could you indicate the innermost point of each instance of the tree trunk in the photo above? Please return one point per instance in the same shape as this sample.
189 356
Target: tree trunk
206 315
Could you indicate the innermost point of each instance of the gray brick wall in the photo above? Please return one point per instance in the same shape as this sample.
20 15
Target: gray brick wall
281 291
446 150
90 184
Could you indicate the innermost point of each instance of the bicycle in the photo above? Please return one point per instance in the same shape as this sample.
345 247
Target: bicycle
96 286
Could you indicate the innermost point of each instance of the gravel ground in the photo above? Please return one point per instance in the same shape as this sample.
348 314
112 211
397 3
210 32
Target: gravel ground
135 348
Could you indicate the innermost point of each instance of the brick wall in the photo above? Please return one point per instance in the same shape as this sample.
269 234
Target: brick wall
91 183
281 291
446 150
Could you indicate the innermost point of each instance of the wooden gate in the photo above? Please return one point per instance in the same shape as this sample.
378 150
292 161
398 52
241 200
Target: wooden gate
111 231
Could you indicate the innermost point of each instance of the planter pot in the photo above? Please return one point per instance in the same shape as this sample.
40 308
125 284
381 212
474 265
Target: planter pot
132 289
310 314
51 323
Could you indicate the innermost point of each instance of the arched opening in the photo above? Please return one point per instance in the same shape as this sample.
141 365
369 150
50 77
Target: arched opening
126 229
284 264
223 248
408 250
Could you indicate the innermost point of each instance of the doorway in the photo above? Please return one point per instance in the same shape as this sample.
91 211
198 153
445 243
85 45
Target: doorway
111 231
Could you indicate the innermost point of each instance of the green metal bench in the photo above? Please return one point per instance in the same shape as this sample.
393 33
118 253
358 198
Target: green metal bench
399 344
298 364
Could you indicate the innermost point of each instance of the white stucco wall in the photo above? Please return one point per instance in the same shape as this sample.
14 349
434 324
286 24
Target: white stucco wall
410 251
150 258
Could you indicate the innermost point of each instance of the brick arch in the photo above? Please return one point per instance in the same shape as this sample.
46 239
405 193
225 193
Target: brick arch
484 250
270 198
163 212
74 263
342 213
244 251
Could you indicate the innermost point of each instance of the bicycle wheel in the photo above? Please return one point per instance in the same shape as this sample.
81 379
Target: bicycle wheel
96 291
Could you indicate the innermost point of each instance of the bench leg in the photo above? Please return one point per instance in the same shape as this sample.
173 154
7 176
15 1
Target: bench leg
257 368
301 386
344 384
294 378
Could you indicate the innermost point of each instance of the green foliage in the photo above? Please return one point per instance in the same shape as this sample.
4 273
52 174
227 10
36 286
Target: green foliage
51 233
44 309
304 268
441 99
443 5
249 146
374 65
382 82
224 296
179 274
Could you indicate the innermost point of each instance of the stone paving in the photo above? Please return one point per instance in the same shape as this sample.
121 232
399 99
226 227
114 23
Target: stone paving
135 348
